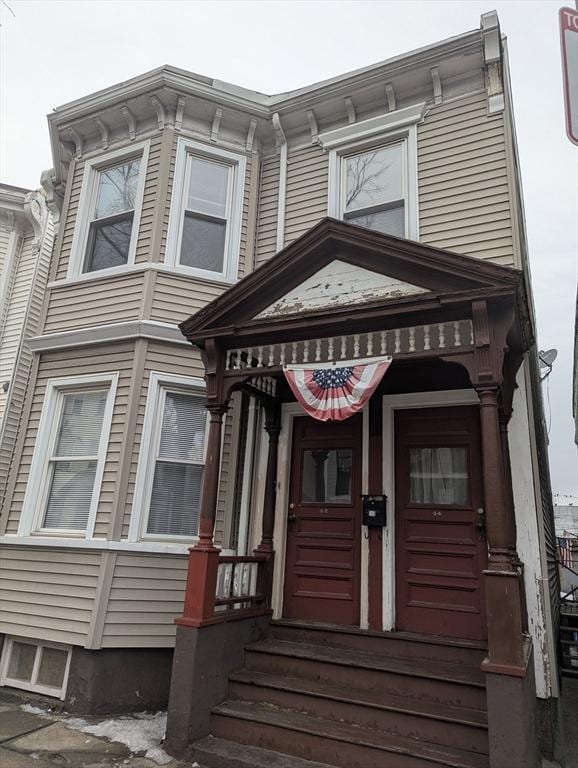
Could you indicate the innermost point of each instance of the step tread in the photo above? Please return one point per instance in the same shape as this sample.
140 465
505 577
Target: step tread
413 637
391 702
449 757
239 755
438 670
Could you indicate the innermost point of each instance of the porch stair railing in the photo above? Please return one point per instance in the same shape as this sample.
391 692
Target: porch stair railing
569 628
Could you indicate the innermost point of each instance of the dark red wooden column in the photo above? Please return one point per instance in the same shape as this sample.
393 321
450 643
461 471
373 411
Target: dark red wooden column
273 428
375 486
504 608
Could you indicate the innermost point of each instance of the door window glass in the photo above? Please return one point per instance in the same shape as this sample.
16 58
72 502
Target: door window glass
439 476
327 476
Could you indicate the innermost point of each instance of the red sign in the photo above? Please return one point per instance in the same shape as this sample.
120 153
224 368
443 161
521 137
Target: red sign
569 40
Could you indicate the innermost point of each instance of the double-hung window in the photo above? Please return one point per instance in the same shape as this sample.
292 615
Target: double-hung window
109 212
373 189
68 462
206 208
172 463
373 172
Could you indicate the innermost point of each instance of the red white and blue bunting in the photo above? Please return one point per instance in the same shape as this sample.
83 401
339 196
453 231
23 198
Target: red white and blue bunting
336 391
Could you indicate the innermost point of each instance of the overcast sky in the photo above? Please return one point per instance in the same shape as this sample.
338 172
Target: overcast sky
53 52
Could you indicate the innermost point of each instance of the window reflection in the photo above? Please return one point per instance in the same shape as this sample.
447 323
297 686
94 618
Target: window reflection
327 476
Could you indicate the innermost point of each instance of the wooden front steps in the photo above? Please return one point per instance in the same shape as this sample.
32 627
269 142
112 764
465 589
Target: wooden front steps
353 699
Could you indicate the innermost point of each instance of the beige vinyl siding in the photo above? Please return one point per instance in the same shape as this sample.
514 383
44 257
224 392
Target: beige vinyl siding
149 203
37 264
267 210
146 595
94 302
62 258
4 240
177 297
464 202
12 321
79 362
47 593
307 190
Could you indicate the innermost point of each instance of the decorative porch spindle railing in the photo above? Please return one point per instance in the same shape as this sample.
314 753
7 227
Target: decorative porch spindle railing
398 341
238 583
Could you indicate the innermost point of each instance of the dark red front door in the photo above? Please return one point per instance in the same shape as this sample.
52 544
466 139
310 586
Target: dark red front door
324 522
440 545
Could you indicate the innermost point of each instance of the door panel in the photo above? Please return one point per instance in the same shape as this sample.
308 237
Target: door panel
440 546
324 522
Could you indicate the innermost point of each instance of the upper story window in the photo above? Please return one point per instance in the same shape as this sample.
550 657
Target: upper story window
373 172
373 189
112 221
206 209
108 216
172 460
68 463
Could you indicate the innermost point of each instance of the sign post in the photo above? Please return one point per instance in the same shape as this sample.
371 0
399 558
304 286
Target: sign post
569 43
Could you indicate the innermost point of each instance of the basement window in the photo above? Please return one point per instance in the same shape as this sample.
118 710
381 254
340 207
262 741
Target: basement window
30 665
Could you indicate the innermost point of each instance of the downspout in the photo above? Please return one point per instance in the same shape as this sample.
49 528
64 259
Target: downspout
281 142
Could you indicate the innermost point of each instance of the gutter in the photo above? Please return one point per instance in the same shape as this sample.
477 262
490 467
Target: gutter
281 141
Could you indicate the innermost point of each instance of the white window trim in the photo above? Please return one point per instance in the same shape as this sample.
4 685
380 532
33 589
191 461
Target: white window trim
35 498
86 204
148 450
186 147
24 685
393 128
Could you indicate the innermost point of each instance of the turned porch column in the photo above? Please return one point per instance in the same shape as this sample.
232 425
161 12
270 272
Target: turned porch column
502 577
210 493
203 563
273 428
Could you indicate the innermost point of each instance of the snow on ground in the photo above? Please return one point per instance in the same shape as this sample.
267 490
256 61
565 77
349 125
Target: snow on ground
141 732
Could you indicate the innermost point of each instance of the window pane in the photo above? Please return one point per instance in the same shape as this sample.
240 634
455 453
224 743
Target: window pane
21 661
390 221
327 476
373 177
52 667
117 189
203 243
208 187
81 423
176 499
70 494
439 476
108 243
183 428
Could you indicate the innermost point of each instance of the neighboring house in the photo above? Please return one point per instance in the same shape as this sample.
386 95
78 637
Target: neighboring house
181 195
26 238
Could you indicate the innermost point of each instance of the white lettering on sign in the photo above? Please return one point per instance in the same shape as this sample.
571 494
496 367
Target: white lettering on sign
569 42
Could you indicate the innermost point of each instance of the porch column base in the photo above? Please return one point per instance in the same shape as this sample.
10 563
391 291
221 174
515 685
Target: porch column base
505 621
199 607
203 659
512 722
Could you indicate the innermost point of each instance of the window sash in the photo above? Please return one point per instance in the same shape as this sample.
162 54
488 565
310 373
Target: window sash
188 210
351 213
52 459
156 457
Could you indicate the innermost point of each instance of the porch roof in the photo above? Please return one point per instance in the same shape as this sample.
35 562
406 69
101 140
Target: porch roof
404 280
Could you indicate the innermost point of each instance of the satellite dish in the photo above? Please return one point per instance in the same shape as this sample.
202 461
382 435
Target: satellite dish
546 361
548 357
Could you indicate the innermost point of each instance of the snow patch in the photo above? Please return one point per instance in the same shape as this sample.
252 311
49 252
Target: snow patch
140 733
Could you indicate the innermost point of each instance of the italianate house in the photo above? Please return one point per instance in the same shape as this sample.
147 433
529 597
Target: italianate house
283 431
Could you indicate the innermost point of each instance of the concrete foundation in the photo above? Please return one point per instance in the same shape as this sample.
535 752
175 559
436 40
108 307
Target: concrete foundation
115 680
203 660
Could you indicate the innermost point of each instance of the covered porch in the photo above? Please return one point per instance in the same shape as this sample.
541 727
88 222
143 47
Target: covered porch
397 519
